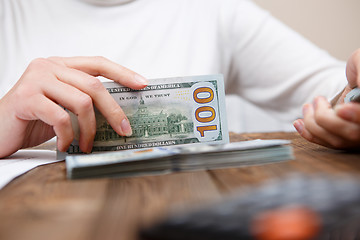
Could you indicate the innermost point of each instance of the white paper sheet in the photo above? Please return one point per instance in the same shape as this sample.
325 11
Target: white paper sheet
23 161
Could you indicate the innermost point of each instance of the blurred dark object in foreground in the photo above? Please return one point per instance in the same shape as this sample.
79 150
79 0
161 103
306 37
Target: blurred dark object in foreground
292 208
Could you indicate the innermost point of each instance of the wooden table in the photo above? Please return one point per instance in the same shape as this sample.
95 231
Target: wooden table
43 204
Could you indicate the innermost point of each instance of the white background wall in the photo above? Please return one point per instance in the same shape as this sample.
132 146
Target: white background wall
334 25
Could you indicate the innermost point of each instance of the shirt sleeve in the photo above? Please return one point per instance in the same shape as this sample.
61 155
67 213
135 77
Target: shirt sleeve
275 68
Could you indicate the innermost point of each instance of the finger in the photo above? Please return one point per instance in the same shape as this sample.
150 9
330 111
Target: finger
100 66
78 103
353 69
317 131
300 128
349 112
42 108
103 101
327 119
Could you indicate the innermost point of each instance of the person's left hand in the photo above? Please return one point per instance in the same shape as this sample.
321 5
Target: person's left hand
337 127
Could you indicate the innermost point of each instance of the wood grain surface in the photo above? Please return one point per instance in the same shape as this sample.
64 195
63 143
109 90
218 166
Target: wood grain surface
43 204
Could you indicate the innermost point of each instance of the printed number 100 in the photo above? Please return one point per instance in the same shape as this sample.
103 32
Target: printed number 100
204 114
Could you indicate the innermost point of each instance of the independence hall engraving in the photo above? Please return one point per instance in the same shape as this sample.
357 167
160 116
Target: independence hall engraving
146 124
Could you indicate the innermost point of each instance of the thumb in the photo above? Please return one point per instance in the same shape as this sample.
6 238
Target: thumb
353 69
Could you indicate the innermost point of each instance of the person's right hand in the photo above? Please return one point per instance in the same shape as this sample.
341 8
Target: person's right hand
30 113
337 127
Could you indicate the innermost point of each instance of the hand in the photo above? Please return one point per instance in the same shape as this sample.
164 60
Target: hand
323 125
337 128
30 113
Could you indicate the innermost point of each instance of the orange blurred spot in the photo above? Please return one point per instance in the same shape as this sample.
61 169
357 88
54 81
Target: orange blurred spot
290 223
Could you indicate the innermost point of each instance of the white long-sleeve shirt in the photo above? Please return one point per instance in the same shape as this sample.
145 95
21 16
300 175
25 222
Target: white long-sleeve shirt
269 70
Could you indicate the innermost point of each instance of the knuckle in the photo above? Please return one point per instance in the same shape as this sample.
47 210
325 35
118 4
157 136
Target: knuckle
38 70
116 112
39 63
63 119
95 84
85 102
99 60
54 59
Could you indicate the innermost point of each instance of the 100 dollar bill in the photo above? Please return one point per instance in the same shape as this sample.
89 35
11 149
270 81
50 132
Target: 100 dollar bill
169 111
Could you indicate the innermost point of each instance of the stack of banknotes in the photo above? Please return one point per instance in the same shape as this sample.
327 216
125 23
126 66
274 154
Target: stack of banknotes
178 124
161 160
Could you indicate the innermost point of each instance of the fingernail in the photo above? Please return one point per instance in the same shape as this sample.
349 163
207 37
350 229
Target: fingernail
140 79
125 127
298 126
